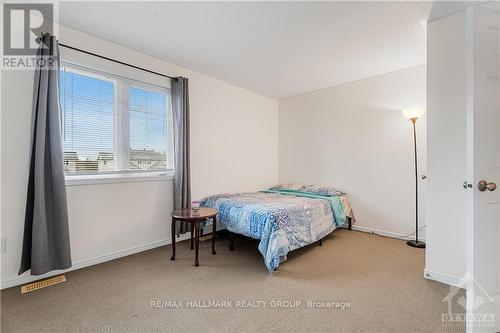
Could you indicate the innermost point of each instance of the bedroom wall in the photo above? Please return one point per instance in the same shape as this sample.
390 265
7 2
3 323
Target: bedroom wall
354 137
233 148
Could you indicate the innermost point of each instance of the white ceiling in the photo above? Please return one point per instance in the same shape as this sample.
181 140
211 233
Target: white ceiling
278 49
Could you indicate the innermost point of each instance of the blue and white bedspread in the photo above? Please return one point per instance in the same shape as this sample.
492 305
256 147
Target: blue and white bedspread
282 222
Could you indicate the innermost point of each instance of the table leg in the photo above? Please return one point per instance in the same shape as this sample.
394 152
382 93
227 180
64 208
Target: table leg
173 239
231 241
197 242
192 233
214 230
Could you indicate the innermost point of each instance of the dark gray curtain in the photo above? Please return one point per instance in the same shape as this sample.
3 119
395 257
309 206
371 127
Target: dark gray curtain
182 180
46 235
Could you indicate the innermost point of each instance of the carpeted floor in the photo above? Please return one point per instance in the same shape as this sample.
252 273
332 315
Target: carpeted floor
380 278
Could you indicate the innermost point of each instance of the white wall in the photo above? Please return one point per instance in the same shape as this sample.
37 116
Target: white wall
233 148
447 148
354 137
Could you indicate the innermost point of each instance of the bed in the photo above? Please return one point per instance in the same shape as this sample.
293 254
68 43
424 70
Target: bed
283 218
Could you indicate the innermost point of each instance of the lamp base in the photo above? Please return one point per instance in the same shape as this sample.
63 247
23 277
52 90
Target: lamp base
417 244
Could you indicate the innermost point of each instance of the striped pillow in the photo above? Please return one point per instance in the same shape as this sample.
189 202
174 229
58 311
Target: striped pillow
327 191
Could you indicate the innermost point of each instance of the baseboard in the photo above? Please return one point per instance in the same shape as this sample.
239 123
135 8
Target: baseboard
443 278
22 279
383 233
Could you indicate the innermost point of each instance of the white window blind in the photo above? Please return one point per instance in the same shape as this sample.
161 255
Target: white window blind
112 124
88 107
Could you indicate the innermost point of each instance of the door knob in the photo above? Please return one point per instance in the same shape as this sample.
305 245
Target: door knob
483 186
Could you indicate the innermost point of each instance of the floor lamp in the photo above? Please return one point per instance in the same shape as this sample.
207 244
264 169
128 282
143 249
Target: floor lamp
413 114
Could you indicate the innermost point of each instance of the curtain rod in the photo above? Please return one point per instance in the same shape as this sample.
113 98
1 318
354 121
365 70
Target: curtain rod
117 61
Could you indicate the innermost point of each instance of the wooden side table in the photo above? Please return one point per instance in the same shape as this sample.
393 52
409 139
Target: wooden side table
195 218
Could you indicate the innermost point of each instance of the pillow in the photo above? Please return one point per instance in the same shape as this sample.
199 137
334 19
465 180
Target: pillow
327 191
292 187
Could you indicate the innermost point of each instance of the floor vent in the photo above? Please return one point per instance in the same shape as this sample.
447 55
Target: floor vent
42 284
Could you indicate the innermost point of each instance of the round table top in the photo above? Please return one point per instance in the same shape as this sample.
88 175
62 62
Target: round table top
190 214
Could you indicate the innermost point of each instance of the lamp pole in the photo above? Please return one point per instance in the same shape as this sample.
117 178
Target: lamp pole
416 242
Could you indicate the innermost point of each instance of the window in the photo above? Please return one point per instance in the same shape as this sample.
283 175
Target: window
112 124
148 130
88 105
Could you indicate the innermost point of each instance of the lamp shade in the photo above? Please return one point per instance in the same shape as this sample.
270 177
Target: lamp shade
413 113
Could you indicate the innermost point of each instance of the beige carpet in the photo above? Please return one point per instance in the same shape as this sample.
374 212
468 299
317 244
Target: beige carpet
380 277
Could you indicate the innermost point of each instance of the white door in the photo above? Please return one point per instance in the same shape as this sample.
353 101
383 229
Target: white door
483 264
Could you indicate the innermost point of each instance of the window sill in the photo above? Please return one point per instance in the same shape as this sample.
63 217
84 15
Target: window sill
117 178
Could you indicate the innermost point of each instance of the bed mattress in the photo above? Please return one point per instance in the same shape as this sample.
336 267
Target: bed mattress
282 222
